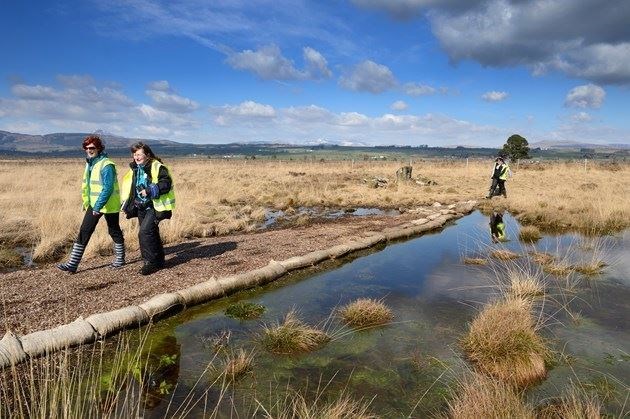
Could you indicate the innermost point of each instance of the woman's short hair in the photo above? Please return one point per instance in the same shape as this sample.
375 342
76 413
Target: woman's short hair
95 140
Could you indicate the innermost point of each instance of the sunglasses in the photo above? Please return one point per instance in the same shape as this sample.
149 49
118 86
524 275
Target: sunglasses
89 148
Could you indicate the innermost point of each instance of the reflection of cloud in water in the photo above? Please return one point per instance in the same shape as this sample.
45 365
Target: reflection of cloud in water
459 282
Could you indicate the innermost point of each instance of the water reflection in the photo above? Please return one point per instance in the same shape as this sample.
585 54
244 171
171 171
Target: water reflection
409 365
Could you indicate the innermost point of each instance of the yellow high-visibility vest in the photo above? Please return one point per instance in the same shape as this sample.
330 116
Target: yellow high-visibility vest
165 202
91 192
504 172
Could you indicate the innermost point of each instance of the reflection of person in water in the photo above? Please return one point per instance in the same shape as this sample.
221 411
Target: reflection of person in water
497 227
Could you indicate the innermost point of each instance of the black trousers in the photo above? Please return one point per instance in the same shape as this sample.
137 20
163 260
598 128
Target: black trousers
151 247
89 225
497 188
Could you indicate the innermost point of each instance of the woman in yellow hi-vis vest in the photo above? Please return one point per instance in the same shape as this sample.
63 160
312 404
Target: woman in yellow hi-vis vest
147 191
101 196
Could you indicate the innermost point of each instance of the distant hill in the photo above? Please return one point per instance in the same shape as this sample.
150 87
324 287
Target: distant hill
577 145
65 142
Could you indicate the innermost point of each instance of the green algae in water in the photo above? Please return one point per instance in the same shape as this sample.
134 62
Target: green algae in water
244 310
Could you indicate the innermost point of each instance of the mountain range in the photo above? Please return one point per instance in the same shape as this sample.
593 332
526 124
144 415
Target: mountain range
16 143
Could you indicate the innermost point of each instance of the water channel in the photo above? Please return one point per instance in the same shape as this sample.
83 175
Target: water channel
409 367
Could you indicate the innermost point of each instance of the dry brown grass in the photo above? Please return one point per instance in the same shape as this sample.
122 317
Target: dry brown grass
529 234
366 312
292 336
561 269
502 342
542 257
484 397
575 405
553 199
217 197
475 261
525 285
237 364
504 254
590 269
294 405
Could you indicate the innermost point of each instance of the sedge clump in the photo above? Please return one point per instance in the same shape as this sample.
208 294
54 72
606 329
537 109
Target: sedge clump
292 336
366 312
502 342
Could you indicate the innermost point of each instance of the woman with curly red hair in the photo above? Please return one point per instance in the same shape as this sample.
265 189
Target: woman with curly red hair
101 197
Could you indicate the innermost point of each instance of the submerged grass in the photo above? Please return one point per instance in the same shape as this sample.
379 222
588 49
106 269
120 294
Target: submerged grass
292 336
244 310
502 342
366 312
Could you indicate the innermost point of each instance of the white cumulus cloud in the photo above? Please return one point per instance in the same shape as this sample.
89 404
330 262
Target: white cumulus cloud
494 96
369 76
586 96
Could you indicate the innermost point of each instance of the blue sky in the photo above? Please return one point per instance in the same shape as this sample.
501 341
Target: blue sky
405 72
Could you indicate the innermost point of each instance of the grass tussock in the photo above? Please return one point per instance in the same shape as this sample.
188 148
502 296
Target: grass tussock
475 261
575 405
245 310
292 336
294 405
237 364
502 342
561 269
366 312
484 397
529 234
504 254
523 285
590 269
542 258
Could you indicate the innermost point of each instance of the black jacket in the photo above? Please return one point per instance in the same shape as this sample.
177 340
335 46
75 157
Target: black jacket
164 184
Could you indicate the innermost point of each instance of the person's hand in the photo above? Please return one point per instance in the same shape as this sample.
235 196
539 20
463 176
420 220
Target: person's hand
96 213
143 193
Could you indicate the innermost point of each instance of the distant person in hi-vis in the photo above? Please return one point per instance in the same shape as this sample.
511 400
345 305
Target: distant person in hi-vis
147 191
500 173
101 198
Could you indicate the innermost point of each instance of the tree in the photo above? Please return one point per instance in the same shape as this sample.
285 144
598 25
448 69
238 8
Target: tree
516 147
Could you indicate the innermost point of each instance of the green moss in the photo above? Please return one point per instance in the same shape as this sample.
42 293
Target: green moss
244 310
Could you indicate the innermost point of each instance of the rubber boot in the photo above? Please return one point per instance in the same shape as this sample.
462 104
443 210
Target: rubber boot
119 255
75 257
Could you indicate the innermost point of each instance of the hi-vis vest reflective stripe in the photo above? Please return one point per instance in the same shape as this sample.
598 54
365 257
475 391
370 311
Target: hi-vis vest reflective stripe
91 192
164 202
504 172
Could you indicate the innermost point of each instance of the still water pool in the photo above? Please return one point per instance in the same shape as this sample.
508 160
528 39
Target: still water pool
409 367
